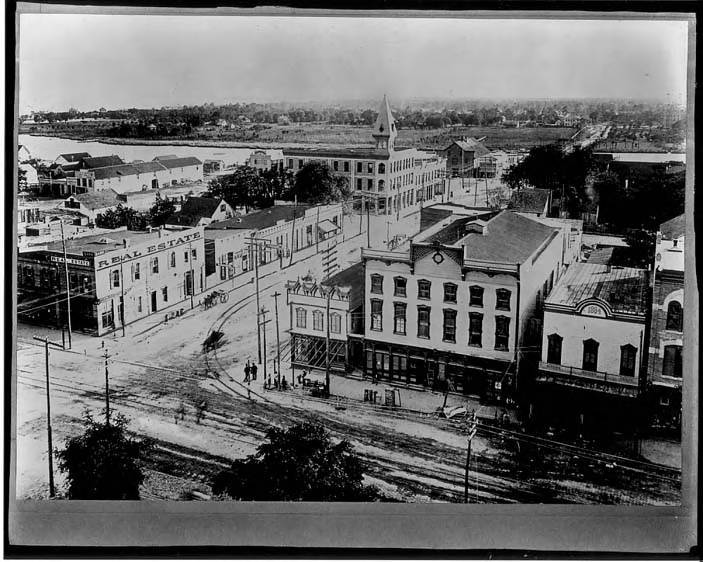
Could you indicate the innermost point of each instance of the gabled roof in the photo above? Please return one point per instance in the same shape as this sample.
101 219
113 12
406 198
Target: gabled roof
114 171
673 228
73 156
180 162
624 289
264 218
166 157
200 207
470 145
97 199
529 200
101 161
148 167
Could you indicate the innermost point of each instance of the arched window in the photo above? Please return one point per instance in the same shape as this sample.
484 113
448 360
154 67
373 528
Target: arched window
301 317
173 259
674 317
554 349
590 355
335 323
317 322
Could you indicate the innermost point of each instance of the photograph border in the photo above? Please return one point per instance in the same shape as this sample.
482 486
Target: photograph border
444 527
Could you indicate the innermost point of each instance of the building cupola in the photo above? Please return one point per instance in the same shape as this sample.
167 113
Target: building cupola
384 130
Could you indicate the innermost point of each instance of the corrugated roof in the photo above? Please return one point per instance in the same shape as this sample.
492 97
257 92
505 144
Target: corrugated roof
624 289
180 162
264 218
673 228
529 200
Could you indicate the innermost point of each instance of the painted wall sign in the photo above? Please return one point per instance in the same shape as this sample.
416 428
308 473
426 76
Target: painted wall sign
132 254
594 310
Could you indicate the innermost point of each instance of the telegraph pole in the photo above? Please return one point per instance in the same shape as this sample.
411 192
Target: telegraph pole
327 344
68 287
263 323
368 223
258 306
107 392
278 337
50 446
192 275
122 315
472 434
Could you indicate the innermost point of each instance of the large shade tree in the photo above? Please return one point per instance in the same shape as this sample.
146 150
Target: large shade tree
316 184
297 464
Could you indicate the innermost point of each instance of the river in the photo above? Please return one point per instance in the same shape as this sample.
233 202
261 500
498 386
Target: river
48 148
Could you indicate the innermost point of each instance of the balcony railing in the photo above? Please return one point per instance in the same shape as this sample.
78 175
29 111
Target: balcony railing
593 380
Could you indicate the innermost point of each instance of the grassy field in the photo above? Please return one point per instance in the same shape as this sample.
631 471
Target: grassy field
331 135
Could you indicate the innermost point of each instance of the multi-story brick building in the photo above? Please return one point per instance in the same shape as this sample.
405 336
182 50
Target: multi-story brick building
387 178
115 278
457 308
666 334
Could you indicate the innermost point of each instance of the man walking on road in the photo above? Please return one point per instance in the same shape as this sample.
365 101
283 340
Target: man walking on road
247 370
253 371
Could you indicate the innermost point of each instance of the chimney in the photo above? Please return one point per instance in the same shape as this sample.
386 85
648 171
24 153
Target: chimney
161 232
478 226
125 243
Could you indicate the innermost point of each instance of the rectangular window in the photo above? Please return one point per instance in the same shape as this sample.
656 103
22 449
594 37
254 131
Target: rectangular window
300 164
399 309
108 319
449 334
400 287
502 332
502 299
164 293
155 265
359 167
358 184
308 235
590 355
554 349
475 295
194 254
376 315
346 166
423 322
370 168
450 292
139 304
137 272
423 289
475 328
301 317
185 256
377 284
628 353
116 278
290 163
369 184
673 361
173 259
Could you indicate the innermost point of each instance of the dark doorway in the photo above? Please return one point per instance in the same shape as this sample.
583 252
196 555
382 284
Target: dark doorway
153 301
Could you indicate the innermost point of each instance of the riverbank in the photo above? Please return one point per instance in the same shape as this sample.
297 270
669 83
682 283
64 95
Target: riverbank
193 142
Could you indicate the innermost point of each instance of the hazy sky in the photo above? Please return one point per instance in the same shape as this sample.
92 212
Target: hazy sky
89 61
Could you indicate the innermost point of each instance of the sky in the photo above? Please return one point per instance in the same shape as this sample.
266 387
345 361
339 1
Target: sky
92 61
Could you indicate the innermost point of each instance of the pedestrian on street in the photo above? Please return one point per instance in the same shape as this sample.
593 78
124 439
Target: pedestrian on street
284 384
247 370
254 368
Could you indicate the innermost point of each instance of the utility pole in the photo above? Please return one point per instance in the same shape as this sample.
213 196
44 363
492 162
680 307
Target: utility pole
368 223
68 288
192 275
327 344
263 323
472 434
122 314
278 336
258 306
50 446
107 392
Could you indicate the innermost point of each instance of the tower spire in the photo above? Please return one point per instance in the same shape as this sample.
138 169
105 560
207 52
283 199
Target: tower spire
384 130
